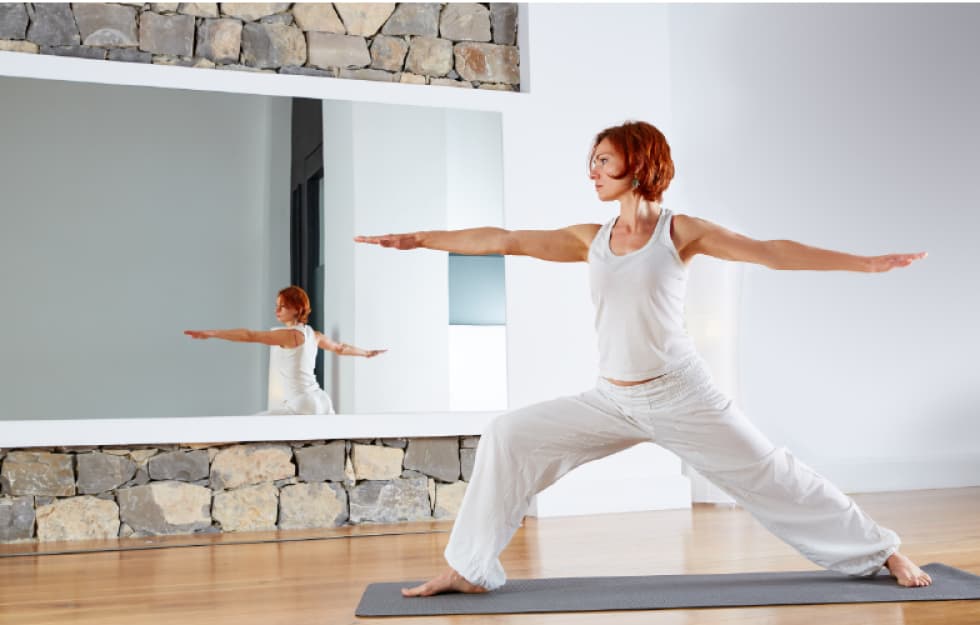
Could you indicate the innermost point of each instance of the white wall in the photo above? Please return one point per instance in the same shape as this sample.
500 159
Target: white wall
854 128
128 215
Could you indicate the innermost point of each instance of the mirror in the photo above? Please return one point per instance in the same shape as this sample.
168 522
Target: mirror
134 213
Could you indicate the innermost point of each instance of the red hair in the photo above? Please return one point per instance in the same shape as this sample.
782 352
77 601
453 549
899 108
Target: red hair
647 156
297 299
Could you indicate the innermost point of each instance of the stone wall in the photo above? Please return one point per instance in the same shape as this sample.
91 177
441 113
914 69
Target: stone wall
453 44
76 493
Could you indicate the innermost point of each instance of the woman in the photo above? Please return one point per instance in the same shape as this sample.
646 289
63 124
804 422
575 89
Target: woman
653 386
294 349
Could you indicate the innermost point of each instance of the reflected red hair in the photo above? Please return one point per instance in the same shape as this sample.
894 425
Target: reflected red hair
297 299
646 153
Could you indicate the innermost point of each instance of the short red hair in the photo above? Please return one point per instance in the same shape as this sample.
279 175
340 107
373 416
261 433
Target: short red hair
297 299
646 153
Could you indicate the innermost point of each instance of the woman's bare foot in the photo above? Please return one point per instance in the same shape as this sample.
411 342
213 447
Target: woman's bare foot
906 572
448 581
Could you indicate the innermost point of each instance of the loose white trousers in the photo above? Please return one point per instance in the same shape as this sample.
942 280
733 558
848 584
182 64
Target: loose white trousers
524 451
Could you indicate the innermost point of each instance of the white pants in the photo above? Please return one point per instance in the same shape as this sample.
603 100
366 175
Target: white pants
524 451
313 402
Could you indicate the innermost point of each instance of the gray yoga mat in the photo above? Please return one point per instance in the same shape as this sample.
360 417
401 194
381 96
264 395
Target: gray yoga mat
656 592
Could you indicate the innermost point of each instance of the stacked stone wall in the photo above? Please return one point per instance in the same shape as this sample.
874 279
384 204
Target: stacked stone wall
76 493
449 44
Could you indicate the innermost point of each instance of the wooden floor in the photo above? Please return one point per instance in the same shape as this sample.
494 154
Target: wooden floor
318 577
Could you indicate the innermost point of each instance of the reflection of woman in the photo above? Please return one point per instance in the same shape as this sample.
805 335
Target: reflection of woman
653 385
294 350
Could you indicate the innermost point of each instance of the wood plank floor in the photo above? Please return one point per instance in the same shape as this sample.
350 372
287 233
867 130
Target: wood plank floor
308 581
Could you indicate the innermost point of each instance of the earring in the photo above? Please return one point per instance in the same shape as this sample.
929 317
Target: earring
636 182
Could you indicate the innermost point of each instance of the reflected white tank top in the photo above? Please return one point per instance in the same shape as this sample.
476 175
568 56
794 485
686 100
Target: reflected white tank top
295 365
639 303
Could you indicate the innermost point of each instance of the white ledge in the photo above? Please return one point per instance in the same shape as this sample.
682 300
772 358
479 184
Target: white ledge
74 432
73 69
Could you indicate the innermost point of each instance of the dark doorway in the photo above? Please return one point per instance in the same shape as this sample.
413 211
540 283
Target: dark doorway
305 255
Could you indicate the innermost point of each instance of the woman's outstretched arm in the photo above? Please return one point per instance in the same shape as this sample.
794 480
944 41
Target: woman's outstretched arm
279 338
343 349
703 237
567 245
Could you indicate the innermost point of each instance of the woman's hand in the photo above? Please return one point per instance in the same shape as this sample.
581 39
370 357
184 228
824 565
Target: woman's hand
201 334
879 264
408 241
371 353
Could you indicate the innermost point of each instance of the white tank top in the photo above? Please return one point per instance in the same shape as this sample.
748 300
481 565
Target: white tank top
295 365
639 302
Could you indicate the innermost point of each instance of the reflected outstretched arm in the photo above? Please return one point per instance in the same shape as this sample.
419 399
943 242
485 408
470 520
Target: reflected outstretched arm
343 349
279 338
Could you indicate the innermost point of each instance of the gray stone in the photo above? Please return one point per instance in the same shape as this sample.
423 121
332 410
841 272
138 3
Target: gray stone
13 20
248 509
449 82
312 505
328 50
82 52
125 531
285 19
253 11
37 473
16 518
52 24
220 40
308 71
463 21
75 448
420 19
199 9
374 462
251 464
466 458
167 34
438 457
164 7
43 500
503 18
20 46
364 19
496 86
448 499
78 518
389 502
165 507
185 466
183 61
272 45
318 16
469 442
412 79
321 463
430 56
246 68
486 62
388 53
368 74
400 443
129 55
142 477
98 472
107 25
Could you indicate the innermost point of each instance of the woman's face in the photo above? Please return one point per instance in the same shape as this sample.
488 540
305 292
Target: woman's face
606 163
284 313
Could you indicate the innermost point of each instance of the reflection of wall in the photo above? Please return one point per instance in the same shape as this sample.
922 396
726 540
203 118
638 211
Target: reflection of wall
129 215
395 169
